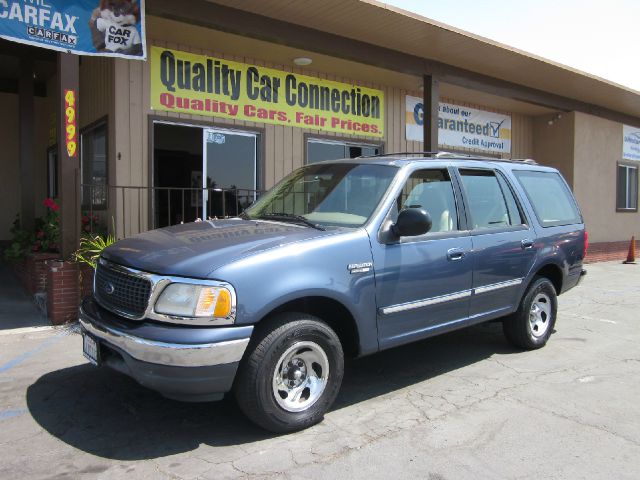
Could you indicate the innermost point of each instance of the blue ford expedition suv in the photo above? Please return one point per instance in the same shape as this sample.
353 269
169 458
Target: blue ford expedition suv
340 258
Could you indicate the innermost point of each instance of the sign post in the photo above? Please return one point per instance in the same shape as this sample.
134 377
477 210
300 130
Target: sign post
431 99
68 155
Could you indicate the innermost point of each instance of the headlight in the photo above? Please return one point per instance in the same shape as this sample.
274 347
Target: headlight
187 300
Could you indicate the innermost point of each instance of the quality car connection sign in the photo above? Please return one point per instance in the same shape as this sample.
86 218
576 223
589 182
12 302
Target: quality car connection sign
187 83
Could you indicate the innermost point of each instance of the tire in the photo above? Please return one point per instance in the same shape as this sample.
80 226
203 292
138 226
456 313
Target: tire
531 325
291 373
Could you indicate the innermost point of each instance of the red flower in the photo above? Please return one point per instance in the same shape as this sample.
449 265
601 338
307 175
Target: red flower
50 203
40 234
85 219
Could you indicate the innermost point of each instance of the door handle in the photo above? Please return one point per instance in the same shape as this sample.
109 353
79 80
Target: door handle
526 244
455 254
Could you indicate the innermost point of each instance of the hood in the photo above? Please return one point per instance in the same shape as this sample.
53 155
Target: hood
197 249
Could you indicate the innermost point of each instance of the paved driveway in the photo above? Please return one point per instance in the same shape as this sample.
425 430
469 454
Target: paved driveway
464 405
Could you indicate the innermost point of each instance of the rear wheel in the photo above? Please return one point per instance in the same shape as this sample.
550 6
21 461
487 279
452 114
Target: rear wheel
292 373
532 324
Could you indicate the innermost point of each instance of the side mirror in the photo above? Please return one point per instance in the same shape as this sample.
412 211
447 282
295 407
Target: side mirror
412 222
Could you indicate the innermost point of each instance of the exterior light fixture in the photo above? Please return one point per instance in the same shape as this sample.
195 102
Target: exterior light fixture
302 61
554 119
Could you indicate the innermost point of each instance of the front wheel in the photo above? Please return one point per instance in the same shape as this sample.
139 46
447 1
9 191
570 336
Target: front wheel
531 325
292 373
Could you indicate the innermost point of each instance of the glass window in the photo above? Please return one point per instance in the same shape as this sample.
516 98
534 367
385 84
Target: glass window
627 190
550 197
327 194
231 162
431 190
319 150
491 202
515 215
94 168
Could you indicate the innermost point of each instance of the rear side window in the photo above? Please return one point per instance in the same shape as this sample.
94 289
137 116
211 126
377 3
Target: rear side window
551 199
491 201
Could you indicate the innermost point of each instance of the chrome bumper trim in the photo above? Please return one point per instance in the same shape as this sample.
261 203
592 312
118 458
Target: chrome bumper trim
171 354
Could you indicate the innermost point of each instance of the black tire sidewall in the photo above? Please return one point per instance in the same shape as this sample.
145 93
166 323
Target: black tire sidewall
541 285
291 333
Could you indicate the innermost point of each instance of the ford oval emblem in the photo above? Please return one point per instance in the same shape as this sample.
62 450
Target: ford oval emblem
109 288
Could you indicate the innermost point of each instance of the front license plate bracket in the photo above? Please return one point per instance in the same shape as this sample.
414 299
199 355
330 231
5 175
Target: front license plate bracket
91 349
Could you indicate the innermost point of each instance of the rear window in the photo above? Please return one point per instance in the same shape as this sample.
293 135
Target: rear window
551 199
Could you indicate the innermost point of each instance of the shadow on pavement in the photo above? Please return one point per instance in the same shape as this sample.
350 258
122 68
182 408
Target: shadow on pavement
109 415
17 307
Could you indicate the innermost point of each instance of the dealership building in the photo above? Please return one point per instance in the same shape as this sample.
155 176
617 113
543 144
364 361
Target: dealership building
232 96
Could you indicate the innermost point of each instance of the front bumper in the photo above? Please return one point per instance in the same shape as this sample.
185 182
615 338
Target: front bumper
180 362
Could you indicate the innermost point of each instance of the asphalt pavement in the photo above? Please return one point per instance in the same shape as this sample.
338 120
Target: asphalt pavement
463 405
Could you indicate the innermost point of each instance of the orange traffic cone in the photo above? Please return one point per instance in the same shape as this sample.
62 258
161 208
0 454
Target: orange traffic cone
631 256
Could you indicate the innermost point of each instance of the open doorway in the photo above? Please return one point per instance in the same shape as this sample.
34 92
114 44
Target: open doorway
201 172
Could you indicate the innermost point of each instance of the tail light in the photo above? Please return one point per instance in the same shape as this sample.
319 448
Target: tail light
586 244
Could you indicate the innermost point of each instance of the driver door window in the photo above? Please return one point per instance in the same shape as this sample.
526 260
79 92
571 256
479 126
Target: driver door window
432 191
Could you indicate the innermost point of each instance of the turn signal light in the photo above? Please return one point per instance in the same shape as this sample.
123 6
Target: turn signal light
223 304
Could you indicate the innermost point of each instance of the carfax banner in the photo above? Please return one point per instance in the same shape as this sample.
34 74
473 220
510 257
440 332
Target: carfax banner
113 28
461 126
183 82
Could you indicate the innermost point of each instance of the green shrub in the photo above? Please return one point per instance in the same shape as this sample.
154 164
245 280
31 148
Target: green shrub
91 246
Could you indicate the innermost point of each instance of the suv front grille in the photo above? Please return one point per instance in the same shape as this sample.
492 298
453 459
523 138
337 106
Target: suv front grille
121 292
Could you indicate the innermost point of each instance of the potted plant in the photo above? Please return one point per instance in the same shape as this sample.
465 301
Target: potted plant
91 246
29 250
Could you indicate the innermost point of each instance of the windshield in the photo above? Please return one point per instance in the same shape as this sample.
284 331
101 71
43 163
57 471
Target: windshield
333 194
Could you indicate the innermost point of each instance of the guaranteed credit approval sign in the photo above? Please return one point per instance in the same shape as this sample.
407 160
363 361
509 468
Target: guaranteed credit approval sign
461 126
183 82
630 143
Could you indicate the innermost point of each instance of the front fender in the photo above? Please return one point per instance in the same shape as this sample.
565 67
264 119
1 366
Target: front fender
310 268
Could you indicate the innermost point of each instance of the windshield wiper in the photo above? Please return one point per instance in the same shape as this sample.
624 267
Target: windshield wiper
288 217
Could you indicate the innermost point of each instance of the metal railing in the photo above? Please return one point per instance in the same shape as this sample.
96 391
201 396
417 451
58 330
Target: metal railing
135 209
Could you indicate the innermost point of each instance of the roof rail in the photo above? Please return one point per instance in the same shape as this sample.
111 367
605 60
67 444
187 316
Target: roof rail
442 154
398 154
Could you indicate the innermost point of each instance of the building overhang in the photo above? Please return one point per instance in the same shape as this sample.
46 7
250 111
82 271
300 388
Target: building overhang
366 31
